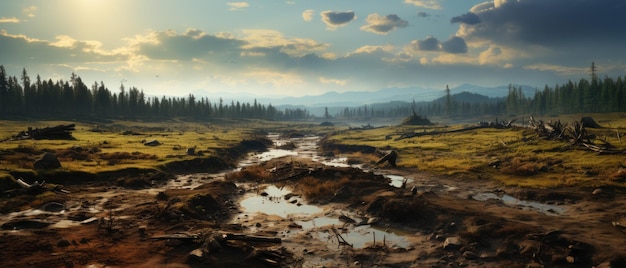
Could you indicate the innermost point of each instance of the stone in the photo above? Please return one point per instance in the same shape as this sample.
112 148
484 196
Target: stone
470 255
452 243
47 161
597 191
63 243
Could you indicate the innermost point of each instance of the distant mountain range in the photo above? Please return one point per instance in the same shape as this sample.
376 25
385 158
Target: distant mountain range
359 98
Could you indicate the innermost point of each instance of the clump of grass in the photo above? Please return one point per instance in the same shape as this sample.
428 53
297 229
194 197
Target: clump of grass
251 173
521 167
118 157
313 187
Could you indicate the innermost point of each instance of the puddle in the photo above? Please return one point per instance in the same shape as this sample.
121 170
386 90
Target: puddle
512 201
272 201
364 236
397 180
265 156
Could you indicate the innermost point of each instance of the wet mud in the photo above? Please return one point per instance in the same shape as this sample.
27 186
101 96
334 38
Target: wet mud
287 205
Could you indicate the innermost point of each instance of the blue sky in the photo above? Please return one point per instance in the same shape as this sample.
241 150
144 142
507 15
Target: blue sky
295 48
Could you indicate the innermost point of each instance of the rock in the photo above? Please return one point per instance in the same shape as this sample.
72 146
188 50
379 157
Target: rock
470 255
20 224
597 191
47 161
452 243
63 243
152 143
53 207
495 163
373 220
191 151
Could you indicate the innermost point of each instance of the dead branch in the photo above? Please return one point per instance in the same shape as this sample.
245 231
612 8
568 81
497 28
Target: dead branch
251 238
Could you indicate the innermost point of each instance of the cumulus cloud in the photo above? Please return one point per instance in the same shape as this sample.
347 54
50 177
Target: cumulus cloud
270 39
336 19
383 24
307 15
17 49
234 6
191 44
9 20
428 44
467 18
454 45
547 23
430 4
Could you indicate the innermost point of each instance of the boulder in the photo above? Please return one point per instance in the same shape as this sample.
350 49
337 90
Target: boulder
47 161
452 243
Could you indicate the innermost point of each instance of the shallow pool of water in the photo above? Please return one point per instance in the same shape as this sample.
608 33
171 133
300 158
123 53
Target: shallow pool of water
397 180
512 201
271 201
363 236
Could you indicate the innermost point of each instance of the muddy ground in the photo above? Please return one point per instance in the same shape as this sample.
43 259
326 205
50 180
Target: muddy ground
152 219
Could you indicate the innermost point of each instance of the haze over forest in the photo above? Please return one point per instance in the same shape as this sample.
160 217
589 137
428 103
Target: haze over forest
44 97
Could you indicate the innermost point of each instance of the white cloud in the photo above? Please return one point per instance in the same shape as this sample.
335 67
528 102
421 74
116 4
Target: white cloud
9 20
430 4
383 24
235 6
307 15
339 82
336 19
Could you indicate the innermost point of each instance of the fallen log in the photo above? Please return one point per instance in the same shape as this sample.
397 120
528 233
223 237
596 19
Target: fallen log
602 150
437 132
60 132
251 238
178 236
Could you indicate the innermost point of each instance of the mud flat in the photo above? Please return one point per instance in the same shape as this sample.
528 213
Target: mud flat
294 208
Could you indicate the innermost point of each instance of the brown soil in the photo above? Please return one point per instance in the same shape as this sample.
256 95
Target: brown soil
133 224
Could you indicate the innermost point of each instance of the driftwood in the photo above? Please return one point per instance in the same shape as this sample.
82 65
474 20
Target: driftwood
26 185
576 134
390 157
177 236
251 238
340 239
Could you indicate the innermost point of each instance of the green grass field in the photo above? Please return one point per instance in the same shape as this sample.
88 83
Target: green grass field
526 159
523 158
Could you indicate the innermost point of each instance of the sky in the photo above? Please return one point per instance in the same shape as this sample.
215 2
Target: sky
308 47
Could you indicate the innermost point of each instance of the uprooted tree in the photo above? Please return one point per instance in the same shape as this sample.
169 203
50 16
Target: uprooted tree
576 134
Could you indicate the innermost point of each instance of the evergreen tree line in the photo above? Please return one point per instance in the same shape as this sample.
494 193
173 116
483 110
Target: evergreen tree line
23 97
592 95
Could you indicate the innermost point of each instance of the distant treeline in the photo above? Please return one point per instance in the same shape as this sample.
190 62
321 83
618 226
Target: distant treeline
592 95
23 97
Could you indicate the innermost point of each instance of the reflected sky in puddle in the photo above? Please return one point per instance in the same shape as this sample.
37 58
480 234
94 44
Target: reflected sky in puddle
512 201
271 201
396 180
364 236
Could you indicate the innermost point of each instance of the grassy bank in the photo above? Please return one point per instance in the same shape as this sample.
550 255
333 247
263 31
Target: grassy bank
514 156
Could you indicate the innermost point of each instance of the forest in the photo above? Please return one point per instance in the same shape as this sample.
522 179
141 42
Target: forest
73 98
593 95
